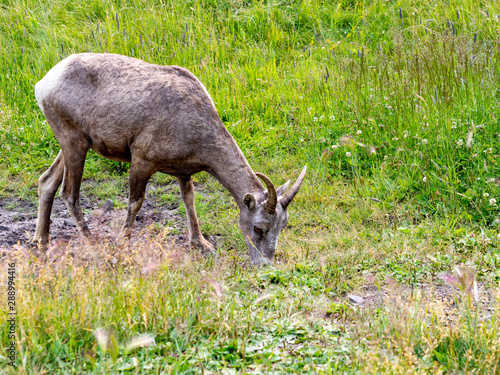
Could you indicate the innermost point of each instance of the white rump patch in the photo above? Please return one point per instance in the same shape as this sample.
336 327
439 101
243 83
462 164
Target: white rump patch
49 82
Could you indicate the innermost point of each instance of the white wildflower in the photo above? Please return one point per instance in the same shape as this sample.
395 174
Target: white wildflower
493 202
348 154
424 141
359 132
424 179
322 117
486 195
315 119
332 117
395 138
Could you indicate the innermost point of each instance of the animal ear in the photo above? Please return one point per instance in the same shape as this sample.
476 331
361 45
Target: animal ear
281 190
249 201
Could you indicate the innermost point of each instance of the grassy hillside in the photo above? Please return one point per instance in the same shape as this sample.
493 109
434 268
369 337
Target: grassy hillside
394 106
401 88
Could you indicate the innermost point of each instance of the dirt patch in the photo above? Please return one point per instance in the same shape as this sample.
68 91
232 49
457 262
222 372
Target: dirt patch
426 299
18 221
376 297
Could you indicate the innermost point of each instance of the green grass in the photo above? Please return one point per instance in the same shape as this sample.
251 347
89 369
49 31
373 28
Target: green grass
393 106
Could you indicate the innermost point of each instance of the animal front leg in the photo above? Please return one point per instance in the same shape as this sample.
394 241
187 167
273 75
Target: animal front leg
140 172
195 237
48 184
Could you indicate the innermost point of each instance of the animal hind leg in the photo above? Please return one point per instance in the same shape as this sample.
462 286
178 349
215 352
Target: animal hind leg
195 237
140 172
74 161
48 183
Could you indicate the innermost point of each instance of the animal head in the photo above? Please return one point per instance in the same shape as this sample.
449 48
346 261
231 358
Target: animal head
264 217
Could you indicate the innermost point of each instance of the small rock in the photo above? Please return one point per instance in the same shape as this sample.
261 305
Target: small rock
108 205
69 223
356 300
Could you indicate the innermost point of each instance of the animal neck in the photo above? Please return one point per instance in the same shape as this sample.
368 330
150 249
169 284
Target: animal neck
235 174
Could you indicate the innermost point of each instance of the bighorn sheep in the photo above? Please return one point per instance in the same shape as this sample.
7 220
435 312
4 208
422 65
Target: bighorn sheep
157 118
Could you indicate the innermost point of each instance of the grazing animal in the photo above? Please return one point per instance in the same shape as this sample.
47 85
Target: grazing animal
159 119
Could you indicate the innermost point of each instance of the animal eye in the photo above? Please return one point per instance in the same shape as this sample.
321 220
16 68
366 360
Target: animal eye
257 230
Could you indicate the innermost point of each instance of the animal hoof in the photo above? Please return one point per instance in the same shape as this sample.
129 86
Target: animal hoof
205 248
262 262
38 249
124 236
38 245
209 253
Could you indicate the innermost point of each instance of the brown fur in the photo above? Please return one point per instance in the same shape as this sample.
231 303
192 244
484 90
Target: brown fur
158 118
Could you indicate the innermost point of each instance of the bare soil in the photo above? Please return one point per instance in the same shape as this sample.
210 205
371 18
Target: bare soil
427 296
18 221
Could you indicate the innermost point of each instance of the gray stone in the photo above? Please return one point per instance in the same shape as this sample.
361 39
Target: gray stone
108 205
356 300
69 223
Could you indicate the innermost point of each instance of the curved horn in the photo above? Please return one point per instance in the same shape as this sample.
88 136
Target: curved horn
272 198
290 194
